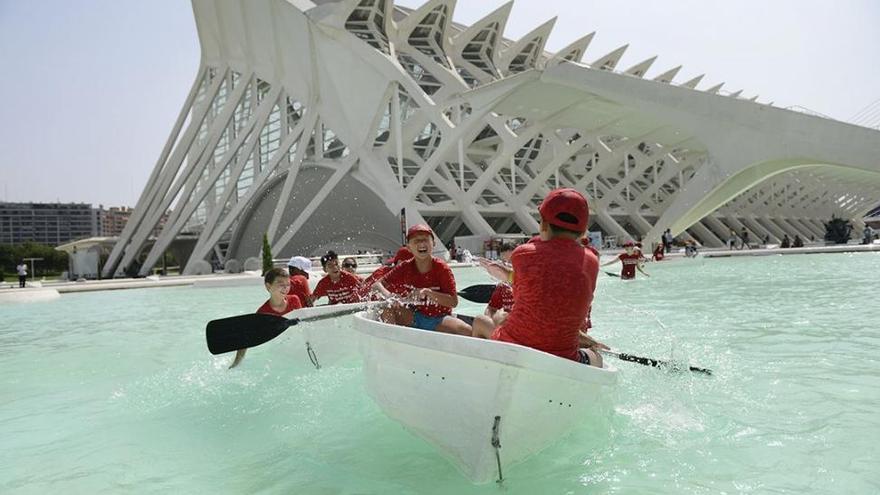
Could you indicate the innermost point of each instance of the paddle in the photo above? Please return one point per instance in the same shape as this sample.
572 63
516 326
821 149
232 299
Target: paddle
476 293
250 330
656 363
612 274
480 293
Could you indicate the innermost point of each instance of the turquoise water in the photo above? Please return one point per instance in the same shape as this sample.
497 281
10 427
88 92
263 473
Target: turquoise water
116 392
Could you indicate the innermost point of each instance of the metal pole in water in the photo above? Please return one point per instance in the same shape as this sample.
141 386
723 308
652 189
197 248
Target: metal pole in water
496 442
312 356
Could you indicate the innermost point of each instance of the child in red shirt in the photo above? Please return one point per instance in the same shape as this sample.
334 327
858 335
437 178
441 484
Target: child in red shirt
299 267
658 252
350 265
339 286
426 279
281 302
631 261
554 280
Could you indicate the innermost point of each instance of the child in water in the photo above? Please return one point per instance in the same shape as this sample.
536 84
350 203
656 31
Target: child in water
631 260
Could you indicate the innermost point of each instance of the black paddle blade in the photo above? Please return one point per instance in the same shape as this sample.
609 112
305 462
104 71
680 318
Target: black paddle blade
612 274
240 332
478 293
656 363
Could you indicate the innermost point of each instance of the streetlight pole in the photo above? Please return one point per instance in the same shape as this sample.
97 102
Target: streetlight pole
33 272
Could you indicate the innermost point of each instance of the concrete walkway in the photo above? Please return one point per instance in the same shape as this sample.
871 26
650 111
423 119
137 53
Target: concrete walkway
836 248
199 281
50 290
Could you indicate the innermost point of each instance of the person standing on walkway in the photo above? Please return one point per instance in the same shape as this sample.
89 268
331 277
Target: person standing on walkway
731 240
667 240
745 239
786 243
22 274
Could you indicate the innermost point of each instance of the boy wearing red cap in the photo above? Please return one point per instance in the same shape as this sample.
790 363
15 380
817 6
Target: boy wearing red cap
429 280
339 286
631 261
554 282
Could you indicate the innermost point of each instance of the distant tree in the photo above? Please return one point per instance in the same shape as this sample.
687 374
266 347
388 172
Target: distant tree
7 257
838 230
267 254
53 261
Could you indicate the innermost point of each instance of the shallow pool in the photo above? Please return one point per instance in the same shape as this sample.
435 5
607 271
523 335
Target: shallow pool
116 392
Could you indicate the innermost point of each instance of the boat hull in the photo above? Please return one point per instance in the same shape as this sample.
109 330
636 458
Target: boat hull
449 390
328 342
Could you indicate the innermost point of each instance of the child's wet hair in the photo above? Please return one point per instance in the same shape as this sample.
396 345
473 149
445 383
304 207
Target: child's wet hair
555 230
331 255
274 274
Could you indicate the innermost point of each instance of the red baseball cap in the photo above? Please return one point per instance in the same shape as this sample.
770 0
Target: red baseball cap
419 228
402 254
629 243
565 208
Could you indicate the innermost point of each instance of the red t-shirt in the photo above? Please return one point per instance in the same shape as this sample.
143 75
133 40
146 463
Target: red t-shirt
629 261
658 253
299 286
345 290
502 297
553 291
374 277
405 277
377 276
293 302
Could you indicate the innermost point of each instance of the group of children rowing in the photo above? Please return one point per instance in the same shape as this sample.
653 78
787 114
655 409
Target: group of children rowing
544 303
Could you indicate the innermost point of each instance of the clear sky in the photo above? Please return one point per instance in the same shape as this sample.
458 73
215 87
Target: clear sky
92 87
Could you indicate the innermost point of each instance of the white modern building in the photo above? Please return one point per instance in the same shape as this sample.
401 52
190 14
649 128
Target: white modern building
317 122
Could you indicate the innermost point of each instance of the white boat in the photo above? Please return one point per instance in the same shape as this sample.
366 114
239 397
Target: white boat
467 396
324 342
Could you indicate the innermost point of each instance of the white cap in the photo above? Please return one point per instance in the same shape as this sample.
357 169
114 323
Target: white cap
300 262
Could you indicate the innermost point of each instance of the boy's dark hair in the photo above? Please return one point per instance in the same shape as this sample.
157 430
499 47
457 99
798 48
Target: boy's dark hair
274 274
567 218
331 255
